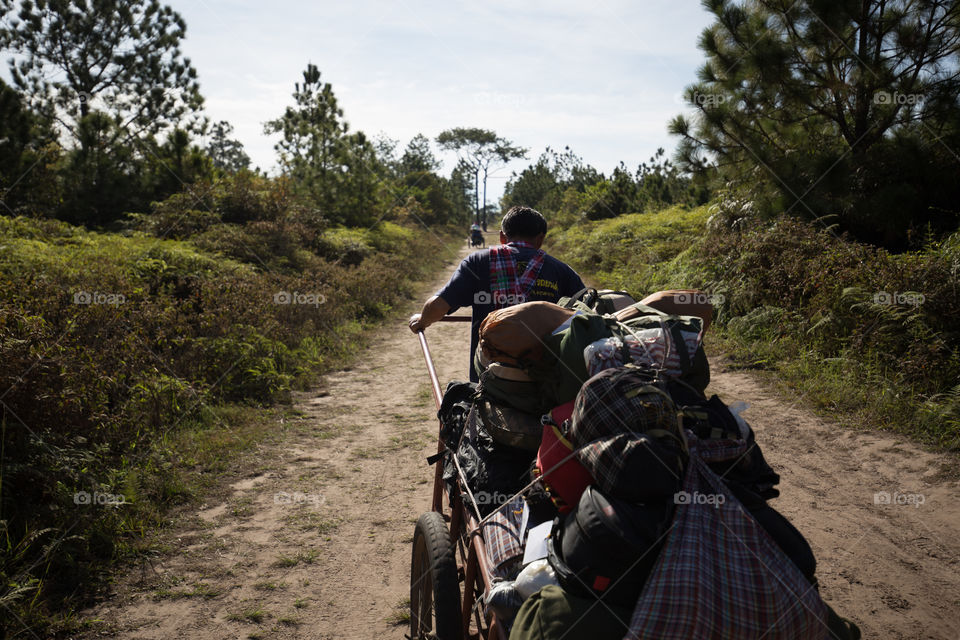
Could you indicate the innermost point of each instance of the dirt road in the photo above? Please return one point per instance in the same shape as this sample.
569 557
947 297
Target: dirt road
314 541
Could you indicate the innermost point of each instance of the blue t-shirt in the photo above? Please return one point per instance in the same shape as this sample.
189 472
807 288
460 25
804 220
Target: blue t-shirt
470 287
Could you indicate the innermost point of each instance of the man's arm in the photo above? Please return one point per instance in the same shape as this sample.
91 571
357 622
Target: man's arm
434 309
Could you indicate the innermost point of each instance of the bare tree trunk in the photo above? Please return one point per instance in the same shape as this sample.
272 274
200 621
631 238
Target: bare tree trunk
476 193
484 207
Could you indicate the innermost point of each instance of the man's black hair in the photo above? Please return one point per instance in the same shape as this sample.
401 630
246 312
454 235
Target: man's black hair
523 223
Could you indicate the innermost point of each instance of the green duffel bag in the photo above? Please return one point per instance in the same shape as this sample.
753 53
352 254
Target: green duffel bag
511 387
552 614
562 370
602 301
662 308
559 372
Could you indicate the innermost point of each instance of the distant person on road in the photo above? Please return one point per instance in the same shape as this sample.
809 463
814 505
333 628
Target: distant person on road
476 236
517 270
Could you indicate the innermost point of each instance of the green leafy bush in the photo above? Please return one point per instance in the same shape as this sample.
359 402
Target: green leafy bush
868 334
116 347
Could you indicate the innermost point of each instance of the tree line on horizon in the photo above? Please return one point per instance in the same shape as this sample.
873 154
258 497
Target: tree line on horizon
846 113
110 123
563 185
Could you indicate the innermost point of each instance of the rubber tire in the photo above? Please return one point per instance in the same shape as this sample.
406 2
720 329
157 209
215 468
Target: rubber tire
434 586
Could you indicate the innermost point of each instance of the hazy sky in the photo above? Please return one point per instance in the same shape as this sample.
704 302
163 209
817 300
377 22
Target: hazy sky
603 77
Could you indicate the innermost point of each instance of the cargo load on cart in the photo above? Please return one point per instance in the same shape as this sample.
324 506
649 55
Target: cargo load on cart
607 495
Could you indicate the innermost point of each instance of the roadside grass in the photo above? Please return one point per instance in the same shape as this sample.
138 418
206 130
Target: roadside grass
401 614
256 615
424 396
306 557
865 337
852 392
289 620
312 521
406 439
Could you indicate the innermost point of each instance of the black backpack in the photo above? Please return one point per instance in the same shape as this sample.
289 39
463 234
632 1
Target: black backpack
607 547
711 419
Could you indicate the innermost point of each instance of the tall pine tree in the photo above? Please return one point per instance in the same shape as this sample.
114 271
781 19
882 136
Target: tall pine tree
481 150
109 77
225 152
121 57
336 169
831 107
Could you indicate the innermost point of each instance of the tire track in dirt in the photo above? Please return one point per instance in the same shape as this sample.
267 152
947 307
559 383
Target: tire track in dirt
315 542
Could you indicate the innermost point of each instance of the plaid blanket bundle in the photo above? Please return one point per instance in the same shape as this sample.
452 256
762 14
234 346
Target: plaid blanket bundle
720 575
626 431
503 539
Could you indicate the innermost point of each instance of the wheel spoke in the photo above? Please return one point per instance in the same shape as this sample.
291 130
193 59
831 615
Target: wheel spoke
426 603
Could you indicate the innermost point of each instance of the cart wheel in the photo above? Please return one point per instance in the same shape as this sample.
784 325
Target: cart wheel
434 588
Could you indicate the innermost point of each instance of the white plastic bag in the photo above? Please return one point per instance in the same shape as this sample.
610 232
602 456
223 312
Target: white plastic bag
736 408
534 577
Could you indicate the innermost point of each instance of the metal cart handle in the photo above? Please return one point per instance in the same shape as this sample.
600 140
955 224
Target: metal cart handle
431 369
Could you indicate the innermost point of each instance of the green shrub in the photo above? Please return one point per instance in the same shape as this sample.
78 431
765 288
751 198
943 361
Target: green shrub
762 322
117 349
869 334
632 251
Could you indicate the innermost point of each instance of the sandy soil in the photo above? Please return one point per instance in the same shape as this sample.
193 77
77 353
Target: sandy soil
892 568
315 541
